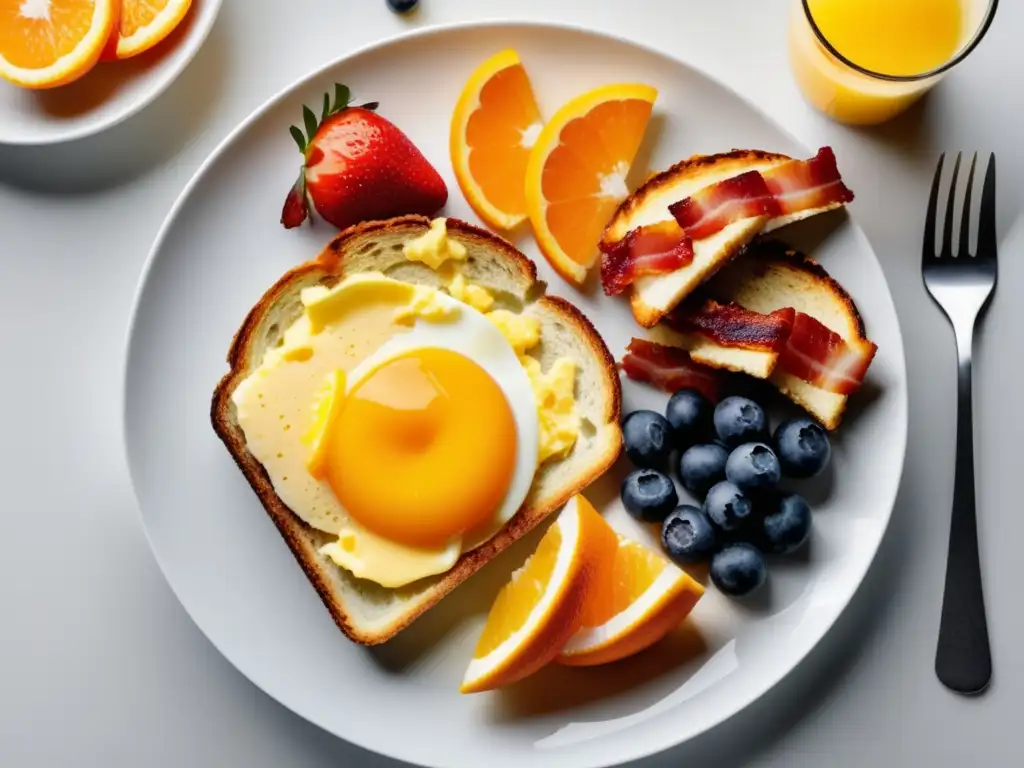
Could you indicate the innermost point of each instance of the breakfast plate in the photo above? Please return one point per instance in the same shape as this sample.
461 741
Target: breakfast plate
109 94
223 245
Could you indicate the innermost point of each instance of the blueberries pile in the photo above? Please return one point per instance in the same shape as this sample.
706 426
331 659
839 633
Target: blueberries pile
725 457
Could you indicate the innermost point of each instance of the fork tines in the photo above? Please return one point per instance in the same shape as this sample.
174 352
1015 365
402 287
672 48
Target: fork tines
986 248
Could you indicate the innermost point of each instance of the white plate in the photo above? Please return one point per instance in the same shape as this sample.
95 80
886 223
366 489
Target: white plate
109 94
222 246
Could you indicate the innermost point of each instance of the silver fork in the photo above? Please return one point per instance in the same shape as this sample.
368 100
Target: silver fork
962 285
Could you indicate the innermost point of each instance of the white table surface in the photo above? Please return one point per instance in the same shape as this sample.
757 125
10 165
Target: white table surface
100 665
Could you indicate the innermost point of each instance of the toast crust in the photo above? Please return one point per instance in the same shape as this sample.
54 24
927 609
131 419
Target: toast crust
332 264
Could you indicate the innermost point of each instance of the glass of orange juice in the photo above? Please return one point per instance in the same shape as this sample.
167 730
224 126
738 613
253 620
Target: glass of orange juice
862 62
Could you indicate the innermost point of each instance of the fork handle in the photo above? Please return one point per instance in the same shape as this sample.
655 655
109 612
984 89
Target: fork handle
963 661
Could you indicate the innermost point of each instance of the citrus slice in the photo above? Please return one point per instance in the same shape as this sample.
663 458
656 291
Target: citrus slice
494 126
636 598
46 43
539 609
144 23
576 175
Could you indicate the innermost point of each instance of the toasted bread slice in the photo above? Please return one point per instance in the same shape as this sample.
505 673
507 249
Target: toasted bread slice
654 296
367 612
769 277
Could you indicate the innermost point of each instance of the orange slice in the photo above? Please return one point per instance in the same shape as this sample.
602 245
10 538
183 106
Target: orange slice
144 23
636 599
46 43
539 609
576 175
494 126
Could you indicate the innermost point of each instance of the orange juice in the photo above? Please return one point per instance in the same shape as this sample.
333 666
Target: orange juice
903 38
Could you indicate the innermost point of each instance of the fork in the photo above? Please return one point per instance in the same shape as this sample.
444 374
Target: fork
962 285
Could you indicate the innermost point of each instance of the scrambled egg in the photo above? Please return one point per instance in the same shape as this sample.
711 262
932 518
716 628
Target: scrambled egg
426 305
434 247
521 331
478 298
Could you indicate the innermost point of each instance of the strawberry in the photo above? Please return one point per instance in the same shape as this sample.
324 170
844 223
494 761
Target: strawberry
359 166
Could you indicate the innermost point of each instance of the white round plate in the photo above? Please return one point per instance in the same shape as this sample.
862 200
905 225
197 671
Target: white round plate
109 94
222 246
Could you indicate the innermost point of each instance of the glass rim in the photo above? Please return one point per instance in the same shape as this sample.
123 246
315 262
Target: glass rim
961 55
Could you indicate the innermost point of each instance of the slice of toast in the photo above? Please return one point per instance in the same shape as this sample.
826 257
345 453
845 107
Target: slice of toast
771 276
654 296
365 611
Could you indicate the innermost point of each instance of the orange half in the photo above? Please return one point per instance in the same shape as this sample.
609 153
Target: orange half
495 125
576 174
144 23
47 43
636 598
539 609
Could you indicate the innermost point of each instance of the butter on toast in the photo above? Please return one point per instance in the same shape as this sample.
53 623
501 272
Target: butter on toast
365 611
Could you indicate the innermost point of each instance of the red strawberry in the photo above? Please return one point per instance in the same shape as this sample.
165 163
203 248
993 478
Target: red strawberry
359 166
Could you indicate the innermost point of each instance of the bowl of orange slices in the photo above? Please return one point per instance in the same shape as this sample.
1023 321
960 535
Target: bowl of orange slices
69 68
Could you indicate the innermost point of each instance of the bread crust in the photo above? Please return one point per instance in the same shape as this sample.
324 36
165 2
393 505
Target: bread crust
331 265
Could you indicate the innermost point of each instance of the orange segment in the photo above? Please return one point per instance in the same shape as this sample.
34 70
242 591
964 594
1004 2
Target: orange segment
539 609
144 23
46 43
636 598
576 175
494 126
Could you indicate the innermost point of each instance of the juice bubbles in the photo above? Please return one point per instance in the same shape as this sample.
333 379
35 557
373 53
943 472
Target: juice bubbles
896 38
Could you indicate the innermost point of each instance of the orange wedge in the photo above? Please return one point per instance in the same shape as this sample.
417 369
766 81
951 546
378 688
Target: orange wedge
46 43
539 609
636 599
144 23
576 175
494 126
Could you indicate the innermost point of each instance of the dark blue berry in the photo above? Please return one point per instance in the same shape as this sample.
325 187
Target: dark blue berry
727 507
802 446
689 413
688 535
753 467
648 439
787 526
738 569
740 420
648 495
702 466
402 6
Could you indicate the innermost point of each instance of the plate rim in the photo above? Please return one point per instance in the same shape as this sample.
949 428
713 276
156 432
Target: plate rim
193 44
652 746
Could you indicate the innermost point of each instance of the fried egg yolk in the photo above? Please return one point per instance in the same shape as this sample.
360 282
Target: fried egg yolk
408 454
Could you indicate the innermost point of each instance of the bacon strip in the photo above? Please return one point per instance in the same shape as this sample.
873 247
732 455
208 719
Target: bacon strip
801 185
731 325
718 205
649 250
821 357
669 369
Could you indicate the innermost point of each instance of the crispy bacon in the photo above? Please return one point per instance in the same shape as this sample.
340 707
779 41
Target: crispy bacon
822 357
731 325
718 205
669 368
800 185
653 249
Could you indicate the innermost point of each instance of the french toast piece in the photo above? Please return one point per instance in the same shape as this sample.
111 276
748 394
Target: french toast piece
365 611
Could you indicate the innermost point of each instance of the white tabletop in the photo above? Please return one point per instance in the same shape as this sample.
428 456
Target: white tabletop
100 665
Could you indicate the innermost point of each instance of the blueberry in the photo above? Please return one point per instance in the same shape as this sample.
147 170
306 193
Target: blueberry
648 495
648 439
689 413
702 466
787 527
740 420
402 6
727 507
688 535
738 569
753 467
803 447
